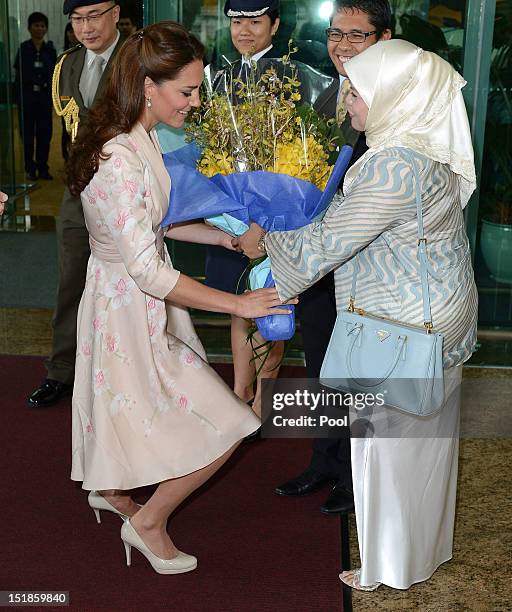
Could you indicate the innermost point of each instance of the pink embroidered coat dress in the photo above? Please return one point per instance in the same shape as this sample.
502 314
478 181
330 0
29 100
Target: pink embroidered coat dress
146 405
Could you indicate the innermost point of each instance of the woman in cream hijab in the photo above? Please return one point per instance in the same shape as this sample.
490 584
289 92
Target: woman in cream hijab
409 104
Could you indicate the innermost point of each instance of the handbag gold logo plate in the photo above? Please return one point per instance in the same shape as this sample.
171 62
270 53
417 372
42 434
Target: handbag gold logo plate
382 334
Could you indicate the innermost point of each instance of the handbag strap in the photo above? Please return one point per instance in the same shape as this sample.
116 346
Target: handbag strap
422 254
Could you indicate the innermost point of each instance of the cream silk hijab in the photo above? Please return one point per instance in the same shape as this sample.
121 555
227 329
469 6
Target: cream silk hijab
415 101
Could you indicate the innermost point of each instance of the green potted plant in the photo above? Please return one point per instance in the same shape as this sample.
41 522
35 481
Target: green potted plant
496 236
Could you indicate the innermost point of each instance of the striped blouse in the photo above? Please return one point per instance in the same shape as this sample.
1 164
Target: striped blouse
376 225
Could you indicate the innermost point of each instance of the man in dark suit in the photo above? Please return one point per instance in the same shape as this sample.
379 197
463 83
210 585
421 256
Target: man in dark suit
355 25
80 73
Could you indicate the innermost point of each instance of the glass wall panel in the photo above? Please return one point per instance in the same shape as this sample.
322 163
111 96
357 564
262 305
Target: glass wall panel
493 257
11 153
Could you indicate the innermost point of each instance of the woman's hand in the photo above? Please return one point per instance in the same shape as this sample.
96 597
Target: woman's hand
260 303
3 200
200 233
248 242
226 241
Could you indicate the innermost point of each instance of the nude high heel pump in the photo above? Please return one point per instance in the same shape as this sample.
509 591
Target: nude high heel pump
97 502
178 565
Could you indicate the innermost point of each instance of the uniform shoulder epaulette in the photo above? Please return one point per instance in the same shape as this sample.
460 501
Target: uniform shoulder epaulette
65 105
70 50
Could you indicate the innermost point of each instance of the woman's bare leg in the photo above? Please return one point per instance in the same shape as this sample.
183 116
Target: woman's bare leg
150 522
270 369
242 354
121 500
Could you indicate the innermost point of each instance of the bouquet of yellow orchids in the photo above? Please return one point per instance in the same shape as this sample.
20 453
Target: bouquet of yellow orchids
258 154
258 121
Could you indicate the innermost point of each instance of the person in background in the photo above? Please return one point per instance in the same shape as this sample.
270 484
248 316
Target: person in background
3 199
253 24
126 26
70 40
82 73
34 66
355 26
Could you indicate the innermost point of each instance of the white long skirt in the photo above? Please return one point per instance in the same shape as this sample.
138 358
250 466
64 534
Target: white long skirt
404 493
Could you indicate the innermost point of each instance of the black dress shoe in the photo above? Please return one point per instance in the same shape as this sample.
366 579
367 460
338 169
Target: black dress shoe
49 393
340 500
46 176
307 482
31 176
252 437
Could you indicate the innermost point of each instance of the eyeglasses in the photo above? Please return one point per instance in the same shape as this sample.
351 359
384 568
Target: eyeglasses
95 18
335 35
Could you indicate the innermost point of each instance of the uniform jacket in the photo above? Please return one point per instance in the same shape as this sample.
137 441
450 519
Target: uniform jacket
71 70
312 82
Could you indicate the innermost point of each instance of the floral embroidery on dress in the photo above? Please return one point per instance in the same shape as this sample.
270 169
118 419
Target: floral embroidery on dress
99 323
119 290
120 402
98 272
117 162
100 382
189 358
90 198
121 221
86 346
95 278
183 403
111 343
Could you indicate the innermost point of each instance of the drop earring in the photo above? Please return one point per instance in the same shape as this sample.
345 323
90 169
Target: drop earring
148 102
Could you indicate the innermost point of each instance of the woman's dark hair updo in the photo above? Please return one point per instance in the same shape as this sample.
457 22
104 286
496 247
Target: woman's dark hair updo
159 51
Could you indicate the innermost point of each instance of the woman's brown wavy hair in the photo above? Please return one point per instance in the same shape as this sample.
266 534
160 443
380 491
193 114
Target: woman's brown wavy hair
159 51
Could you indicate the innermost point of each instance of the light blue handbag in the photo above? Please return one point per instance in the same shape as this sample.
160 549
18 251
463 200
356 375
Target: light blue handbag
373 355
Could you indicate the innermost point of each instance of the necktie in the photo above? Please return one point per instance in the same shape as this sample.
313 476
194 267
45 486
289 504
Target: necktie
341 105
244 71
95 74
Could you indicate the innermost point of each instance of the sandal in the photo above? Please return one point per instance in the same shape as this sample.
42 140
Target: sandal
352 579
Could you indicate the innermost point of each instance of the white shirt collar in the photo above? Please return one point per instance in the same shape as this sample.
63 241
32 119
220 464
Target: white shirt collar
90 55
342 78
259 55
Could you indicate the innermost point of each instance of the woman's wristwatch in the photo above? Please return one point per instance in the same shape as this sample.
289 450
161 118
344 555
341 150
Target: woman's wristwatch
261 243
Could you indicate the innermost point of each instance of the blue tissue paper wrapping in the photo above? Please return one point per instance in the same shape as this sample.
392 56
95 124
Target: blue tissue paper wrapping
277 202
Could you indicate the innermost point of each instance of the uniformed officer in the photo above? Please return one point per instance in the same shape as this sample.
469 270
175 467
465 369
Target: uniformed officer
34 66
253 24
79 76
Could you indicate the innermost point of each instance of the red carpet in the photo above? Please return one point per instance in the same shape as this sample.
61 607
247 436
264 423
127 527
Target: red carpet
256 551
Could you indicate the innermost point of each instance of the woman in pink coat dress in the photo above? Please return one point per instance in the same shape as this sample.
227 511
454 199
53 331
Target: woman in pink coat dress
147 407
